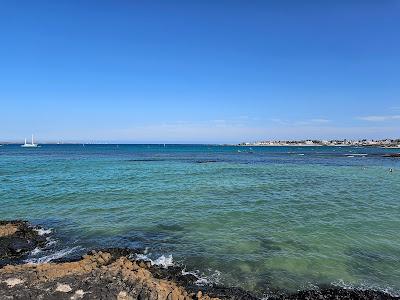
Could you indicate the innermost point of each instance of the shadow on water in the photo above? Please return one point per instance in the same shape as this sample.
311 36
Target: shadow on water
170 227
269 245
297 245
206 161
162 239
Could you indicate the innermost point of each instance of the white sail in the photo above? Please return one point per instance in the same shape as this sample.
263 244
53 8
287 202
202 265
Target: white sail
32 145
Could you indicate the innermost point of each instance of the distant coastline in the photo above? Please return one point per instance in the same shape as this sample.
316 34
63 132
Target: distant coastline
386 143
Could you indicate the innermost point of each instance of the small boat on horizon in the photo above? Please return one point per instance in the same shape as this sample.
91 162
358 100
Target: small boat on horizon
31 145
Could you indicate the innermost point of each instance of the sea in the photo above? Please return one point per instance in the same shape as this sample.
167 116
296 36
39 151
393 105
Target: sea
266 219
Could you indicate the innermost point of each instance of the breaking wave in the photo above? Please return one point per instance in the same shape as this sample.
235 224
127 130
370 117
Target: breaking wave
213 276
56 255
162 261
42 231
367 286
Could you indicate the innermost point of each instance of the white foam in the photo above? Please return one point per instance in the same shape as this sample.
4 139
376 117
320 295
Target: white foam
56 255
201 280
36 251
42 231
213 278
167 261
143 257
367 286
184 272
162 261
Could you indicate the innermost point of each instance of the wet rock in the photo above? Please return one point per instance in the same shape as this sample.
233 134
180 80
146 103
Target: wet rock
17 239
231 293
175 274
335 293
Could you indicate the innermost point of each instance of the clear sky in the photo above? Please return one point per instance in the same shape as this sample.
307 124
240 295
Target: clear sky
199 71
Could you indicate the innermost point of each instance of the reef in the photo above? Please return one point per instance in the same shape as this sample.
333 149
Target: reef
116 273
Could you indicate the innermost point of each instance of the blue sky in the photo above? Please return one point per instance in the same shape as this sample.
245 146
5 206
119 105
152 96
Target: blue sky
199 71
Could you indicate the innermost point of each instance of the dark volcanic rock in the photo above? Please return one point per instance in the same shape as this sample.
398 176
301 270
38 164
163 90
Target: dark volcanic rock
335 293
175 274
392 155
231 293
17 239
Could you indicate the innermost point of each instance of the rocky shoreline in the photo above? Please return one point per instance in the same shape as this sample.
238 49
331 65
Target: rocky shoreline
18 238
116 274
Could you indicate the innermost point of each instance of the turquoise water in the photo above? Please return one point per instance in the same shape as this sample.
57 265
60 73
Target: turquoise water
265 219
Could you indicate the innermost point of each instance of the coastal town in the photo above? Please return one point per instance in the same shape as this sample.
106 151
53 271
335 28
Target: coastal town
386 143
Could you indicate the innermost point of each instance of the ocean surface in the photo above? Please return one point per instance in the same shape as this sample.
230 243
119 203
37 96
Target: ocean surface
262 218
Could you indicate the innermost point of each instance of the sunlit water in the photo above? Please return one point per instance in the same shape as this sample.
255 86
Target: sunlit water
267 218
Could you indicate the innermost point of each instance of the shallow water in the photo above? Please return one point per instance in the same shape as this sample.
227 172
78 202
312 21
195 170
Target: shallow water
264 218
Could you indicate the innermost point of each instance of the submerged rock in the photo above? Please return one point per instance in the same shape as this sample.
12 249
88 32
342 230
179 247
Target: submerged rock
392 155
206 161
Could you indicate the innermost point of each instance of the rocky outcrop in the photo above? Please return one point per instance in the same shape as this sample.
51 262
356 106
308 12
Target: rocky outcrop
8 228
18 238
99 275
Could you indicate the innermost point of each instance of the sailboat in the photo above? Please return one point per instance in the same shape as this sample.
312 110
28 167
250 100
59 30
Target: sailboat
32 145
